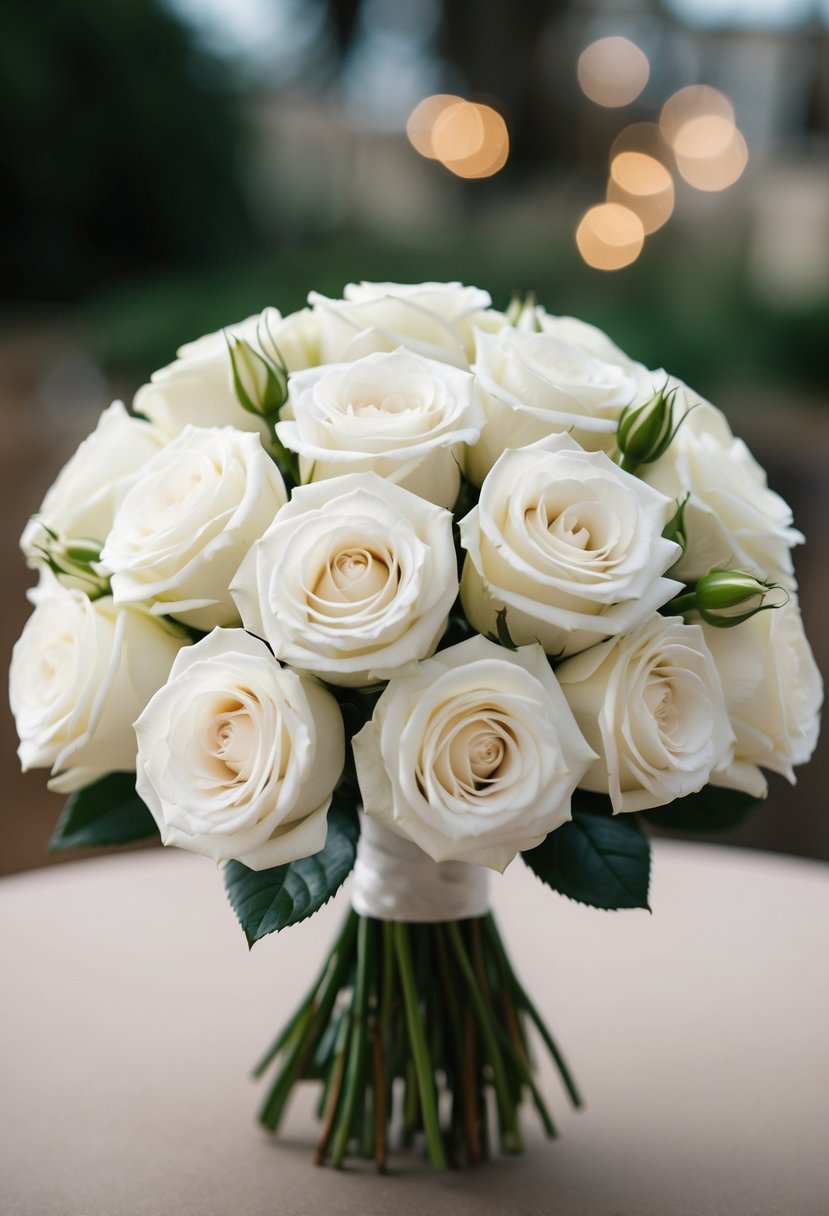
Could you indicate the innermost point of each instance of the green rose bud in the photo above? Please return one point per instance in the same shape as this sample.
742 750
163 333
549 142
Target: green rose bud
645 431
260 382
75 560
725 598
728 597
260 377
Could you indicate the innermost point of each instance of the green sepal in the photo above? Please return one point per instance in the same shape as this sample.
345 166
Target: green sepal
503 637
523 314
710 810
675 527
108 812
266 901
598 859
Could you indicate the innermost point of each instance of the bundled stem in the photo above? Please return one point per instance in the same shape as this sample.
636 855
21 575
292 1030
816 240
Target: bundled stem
436 1008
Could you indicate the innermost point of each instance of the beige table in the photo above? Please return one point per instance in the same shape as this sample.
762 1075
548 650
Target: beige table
132 1009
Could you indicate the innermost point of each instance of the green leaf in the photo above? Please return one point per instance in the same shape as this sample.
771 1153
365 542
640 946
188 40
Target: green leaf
105 813
597 859
710 810
266 901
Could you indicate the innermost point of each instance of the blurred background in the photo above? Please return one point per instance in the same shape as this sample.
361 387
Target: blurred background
658 168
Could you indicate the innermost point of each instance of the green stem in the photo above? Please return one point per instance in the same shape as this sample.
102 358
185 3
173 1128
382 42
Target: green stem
531 1011
423 1063
301 1050
333 1090
356 1048
512 1138
680 605
343 939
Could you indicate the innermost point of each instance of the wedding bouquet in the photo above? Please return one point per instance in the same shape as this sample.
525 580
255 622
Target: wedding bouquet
406 586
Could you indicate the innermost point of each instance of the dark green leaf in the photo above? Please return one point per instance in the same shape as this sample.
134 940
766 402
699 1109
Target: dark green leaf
598 859
105 813
711 810
266 901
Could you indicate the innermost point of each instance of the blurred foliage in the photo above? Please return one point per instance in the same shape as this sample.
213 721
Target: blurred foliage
677 308
114 128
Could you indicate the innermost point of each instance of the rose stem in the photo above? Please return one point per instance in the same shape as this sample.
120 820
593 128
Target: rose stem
531 1011
328 1041
409 1105
470 1091
305 1009
516 1048
514 1027
460 1048
479 964
356 1047
379 1101
423 1064
511 1132
387 997
367 1142
297 1057
335 1089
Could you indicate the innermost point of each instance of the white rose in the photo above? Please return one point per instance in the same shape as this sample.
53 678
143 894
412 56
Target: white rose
353 580
433 319
238 756
197 389
651 705
80 674
474 756
398 415
592 341
81 503
188 520
568 544
773 694
732 519
536 384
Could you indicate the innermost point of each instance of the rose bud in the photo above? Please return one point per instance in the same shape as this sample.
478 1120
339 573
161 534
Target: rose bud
645 431
721 593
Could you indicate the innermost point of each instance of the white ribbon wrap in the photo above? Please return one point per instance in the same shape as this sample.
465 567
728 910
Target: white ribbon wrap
395 880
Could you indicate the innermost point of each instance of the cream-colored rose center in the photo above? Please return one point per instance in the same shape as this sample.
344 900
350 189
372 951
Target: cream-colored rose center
567 527
659 699
232 739
474 755
355 575
586 527
392 403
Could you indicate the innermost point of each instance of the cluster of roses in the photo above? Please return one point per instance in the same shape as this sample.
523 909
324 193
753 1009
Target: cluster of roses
198 622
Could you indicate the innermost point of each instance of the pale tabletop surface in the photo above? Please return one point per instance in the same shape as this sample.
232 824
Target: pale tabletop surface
132 1010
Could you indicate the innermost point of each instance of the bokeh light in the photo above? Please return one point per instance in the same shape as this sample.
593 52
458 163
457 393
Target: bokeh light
643 185
716 169
610 236
699 123
422 120
695 101
613 71
645 137
703 137
469 138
